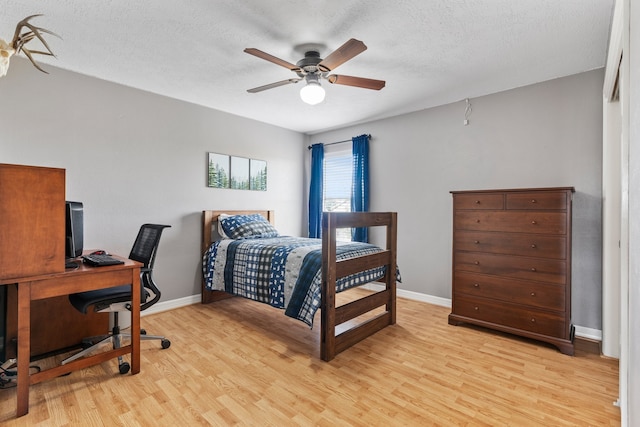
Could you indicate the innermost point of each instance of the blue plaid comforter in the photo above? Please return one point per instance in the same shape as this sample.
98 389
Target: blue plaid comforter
285 272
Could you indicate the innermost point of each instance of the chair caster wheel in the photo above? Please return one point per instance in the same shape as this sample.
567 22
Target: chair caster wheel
166 343
124 368
143 332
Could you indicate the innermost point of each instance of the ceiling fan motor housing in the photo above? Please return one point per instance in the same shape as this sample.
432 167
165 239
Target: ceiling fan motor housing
309 64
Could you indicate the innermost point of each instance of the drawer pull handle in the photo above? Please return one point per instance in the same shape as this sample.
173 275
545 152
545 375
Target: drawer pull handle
533 294
477 202
533 320
534 222
477 221
533 269
534 201
533 246
476 242
476 285
476 308
476 262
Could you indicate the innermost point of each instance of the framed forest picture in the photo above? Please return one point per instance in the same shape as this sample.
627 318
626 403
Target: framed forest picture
239 173
258 175
219 170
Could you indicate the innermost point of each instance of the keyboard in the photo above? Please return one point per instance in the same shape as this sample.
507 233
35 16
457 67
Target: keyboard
100 260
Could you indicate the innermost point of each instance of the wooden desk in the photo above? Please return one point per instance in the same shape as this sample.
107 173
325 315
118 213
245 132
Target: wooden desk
84 278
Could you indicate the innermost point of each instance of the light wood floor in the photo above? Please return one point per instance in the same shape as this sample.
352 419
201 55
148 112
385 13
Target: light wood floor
237 362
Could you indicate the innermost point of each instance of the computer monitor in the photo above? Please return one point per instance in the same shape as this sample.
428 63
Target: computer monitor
74 236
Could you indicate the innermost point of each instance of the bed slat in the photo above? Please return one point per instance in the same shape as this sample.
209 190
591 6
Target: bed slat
361 306
360 332
361 219
346 267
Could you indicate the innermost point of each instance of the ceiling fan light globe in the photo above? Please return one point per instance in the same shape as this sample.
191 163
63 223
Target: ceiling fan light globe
312 93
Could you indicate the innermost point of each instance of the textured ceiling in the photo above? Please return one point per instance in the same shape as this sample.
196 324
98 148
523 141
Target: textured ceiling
430 52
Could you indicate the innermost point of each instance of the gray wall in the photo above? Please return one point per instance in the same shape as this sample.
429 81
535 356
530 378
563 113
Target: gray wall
151 150
543 135
133 157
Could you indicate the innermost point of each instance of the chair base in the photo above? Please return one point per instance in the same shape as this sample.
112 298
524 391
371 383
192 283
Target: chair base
115 338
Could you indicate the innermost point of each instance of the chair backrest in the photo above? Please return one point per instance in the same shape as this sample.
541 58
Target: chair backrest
146 244
144 251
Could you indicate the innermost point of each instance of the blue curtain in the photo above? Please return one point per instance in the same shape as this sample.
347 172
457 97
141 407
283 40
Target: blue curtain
360 186
315 191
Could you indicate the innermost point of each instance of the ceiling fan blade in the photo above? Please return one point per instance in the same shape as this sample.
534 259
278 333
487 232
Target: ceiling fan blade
356 81
272 85
342 54
271 58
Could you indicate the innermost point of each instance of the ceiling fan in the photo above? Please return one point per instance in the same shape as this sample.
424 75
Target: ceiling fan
312 68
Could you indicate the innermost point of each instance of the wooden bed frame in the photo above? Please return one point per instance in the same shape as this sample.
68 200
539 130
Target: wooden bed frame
331 316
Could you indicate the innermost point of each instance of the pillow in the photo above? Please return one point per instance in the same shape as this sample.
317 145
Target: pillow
247 227
220 229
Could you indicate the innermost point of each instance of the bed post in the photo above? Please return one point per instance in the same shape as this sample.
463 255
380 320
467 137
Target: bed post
328 302
207 296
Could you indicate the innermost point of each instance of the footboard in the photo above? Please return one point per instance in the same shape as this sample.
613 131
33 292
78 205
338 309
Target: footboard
331 316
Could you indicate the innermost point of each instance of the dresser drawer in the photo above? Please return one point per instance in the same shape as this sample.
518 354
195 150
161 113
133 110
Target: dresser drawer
512 221
510 290
511 315
478 201
533 245
537 201
537 269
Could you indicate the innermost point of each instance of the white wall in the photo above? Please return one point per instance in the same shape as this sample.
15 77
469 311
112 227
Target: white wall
611 237
543 135
632 53
133 157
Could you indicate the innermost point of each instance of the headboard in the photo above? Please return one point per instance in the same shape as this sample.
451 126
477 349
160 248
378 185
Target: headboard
210 234
210 222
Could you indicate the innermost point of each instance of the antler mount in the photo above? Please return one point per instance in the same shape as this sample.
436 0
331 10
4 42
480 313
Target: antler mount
19 42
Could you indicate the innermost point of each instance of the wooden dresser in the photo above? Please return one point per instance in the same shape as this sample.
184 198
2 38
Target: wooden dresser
512 262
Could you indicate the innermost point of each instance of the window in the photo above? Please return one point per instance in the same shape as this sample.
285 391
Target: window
338 175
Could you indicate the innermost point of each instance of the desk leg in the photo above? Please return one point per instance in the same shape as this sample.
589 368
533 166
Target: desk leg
135 321
24 347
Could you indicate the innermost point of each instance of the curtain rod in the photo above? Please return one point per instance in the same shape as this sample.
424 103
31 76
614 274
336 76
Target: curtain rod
338 142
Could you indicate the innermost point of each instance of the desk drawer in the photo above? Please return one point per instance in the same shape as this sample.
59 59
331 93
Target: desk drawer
533 245
551 297
511 315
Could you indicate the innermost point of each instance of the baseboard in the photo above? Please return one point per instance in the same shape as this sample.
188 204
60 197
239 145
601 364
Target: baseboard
587 334
170 305
415 296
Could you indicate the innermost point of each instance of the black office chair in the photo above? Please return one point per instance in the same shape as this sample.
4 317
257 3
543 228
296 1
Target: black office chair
118 299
